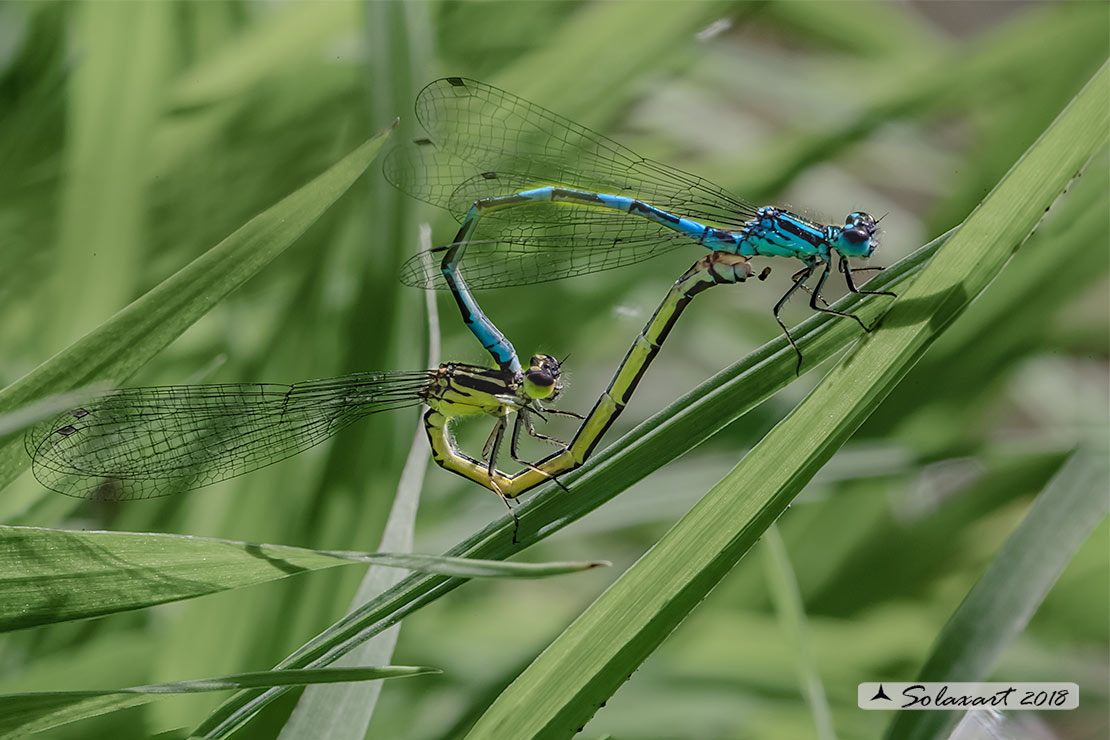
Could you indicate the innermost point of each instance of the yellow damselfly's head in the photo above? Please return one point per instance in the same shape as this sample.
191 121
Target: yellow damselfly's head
541 379
857 237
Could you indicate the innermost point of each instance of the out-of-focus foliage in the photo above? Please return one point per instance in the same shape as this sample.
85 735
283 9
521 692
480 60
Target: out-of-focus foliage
135 136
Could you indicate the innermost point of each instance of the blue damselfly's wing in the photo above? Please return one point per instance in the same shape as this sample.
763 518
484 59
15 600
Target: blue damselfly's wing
483 142
499 263
136 443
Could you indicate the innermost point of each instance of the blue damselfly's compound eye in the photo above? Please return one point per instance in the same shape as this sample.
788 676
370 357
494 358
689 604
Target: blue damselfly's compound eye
856 241
856 235
859 218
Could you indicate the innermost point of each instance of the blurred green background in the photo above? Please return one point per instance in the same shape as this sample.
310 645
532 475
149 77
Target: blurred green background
135 136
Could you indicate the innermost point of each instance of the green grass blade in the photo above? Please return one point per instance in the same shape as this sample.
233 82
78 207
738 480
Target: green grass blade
287 38
787 598
566 684
21 714
114 103
53 575
21 418
1000 605
345 711
122 344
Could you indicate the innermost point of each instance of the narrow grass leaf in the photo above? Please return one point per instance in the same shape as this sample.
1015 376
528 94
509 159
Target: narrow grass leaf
22 418
122 344
113 102
288 37
52 575
226 83
787 598
999 606
577 673
22 714
345 711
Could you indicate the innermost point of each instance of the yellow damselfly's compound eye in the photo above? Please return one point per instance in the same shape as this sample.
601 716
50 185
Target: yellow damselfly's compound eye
541 379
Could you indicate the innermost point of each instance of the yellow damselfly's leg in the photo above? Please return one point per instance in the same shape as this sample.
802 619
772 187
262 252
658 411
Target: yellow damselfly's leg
525 420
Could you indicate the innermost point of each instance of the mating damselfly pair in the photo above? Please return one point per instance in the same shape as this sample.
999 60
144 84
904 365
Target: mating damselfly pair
539 198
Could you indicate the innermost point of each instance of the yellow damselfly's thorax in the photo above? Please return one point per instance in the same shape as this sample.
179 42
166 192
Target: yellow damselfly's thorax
460 389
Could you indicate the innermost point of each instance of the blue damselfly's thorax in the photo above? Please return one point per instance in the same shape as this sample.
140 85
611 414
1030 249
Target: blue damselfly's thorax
778 233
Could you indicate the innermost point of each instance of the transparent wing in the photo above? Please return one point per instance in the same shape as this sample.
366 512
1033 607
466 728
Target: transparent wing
497 263
484 142
138 443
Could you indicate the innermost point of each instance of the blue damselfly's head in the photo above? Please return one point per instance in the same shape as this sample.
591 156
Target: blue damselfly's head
541 379
857 237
